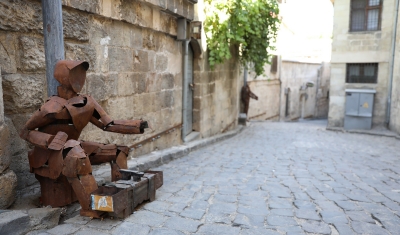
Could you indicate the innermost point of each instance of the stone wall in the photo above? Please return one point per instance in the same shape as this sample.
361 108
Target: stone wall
394 121
322 106
298 100
359 47
267 87
8 179
135 71
289 82
215 102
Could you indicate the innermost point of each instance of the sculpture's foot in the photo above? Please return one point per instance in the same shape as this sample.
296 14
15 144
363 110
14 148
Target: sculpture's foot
93 214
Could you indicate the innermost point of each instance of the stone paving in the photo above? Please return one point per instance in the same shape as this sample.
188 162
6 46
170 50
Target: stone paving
272 178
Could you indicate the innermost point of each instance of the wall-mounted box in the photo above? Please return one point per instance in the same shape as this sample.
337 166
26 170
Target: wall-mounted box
359 108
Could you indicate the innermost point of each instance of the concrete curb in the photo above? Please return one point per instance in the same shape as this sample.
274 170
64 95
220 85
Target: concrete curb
366 132
160 157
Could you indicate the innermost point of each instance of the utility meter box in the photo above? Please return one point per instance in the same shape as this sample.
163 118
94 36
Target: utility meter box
359 108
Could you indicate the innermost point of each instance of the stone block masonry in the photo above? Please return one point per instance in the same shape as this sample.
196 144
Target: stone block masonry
8 179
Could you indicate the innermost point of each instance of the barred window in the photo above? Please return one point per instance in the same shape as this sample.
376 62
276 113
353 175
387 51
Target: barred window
365 15
362 73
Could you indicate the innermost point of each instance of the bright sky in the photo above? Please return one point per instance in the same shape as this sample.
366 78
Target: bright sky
306 28
311 17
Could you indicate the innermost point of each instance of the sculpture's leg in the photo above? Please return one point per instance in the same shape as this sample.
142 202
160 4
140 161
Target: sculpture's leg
78 170
246 108
102 153
55 192
119 163
83 187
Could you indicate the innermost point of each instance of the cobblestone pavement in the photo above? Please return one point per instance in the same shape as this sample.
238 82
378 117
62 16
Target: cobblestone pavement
273 178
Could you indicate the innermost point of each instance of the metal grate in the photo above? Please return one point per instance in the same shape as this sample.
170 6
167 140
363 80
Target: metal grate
362 73
365 15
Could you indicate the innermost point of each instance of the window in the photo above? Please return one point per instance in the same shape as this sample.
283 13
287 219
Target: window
362 73
365 15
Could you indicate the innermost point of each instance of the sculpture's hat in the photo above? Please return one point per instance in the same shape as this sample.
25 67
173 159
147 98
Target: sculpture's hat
71 73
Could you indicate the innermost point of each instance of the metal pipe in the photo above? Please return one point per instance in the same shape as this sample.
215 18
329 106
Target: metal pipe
319 78
391 66
185 87
53 40
245 76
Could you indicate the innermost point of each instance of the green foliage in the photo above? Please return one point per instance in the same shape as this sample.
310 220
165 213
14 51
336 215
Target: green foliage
251 25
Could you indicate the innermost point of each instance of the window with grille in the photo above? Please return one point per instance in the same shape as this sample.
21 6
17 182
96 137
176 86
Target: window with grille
365 15
362 73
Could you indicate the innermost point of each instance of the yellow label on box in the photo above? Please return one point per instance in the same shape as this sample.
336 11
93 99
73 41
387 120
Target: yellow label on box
102 203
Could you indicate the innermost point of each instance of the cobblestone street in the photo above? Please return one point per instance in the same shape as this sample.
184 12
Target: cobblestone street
272 178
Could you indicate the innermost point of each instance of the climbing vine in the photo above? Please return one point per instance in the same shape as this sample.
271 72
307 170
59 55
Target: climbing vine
249 25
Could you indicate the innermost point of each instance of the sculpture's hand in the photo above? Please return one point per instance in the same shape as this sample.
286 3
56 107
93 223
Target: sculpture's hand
57 143
144 125
127 126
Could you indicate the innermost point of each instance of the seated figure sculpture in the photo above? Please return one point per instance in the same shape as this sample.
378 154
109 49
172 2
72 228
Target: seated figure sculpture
246 94
61 163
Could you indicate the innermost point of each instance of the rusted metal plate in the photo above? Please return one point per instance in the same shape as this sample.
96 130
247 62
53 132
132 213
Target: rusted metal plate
71 73
115 172
81 111
124 149
71 144
124 129
75 165
38 157
56 193
38 138
135 123
54 167
55 127
58 141
122 161
83 187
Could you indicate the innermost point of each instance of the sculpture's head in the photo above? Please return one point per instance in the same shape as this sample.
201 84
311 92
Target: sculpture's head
71 74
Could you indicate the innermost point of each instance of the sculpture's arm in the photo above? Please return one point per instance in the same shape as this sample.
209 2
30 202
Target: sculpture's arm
101 119
252 95
41 118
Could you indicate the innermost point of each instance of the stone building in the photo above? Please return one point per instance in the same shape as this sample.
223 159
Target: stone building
294 90
303 46
393 114
364 56
136 71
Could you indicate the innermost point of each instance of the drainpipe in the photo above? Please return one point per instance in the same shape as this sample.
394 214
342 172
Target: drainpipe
319 78
53 40
185 87
245 76
391 66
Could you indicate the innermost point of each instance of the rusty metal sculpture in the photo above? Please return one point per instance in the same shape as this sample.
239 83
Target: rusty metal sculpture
61 163
246 94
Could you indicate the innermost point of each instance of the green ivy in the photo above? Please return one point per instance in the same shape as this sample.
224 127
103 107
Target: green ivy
251 25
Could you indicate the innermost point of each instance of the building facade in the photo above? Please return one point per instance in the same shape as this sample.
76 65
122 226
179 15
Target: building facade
362 58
